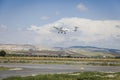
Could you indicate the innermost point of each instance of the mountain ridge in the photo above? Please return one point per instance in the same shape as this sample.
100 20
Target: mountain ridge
98 49
86 51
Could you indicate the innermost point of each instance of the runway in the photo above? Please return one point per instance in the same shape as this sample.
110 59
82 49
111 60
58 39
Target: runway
19 69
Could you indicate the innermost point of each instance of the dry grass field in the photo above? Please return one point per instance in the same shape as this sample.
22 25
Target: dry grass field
54 60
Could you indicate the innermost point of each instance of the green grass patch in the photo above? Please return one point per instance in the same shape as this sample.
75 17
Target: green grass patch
71 76
3 68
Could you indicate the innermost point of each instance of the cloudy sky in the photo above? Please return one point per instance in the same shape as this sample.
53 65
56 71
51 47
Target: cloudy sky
33 21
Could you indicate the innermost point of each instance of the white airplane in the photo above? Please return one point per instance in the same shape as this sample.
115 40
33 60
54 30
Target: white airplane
64 30
61 30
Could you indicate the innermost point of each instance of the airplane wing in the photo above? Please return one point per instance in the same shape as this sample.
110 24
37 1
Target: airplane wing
56 27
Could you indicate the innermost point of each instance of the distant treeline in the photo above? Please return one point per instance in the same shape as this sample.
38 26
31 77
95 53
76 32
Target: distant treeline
59 56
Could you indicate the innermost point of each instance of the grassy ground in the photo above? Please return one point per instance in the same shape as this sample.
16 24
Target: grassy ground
72 76
3 68
53 60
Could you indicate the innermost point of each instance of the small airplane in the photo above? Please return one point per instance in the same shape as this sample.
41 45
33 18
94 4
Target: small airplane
61 30
64 30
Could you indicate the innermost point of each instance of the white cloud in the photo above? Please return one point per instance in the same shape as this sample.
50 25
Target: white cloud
3 27
89 31
45 18
81 7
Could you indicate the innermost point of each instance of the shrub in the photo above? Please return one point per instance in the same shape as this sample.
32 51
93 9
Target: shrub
2 53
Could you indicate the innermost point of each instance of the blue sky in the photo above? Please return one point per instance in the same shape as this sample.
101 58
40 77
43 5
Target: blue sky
27 12
16 16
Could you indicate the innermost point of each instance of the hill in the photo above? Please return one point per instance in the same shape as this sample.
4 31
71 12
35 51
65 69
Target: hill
73 51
